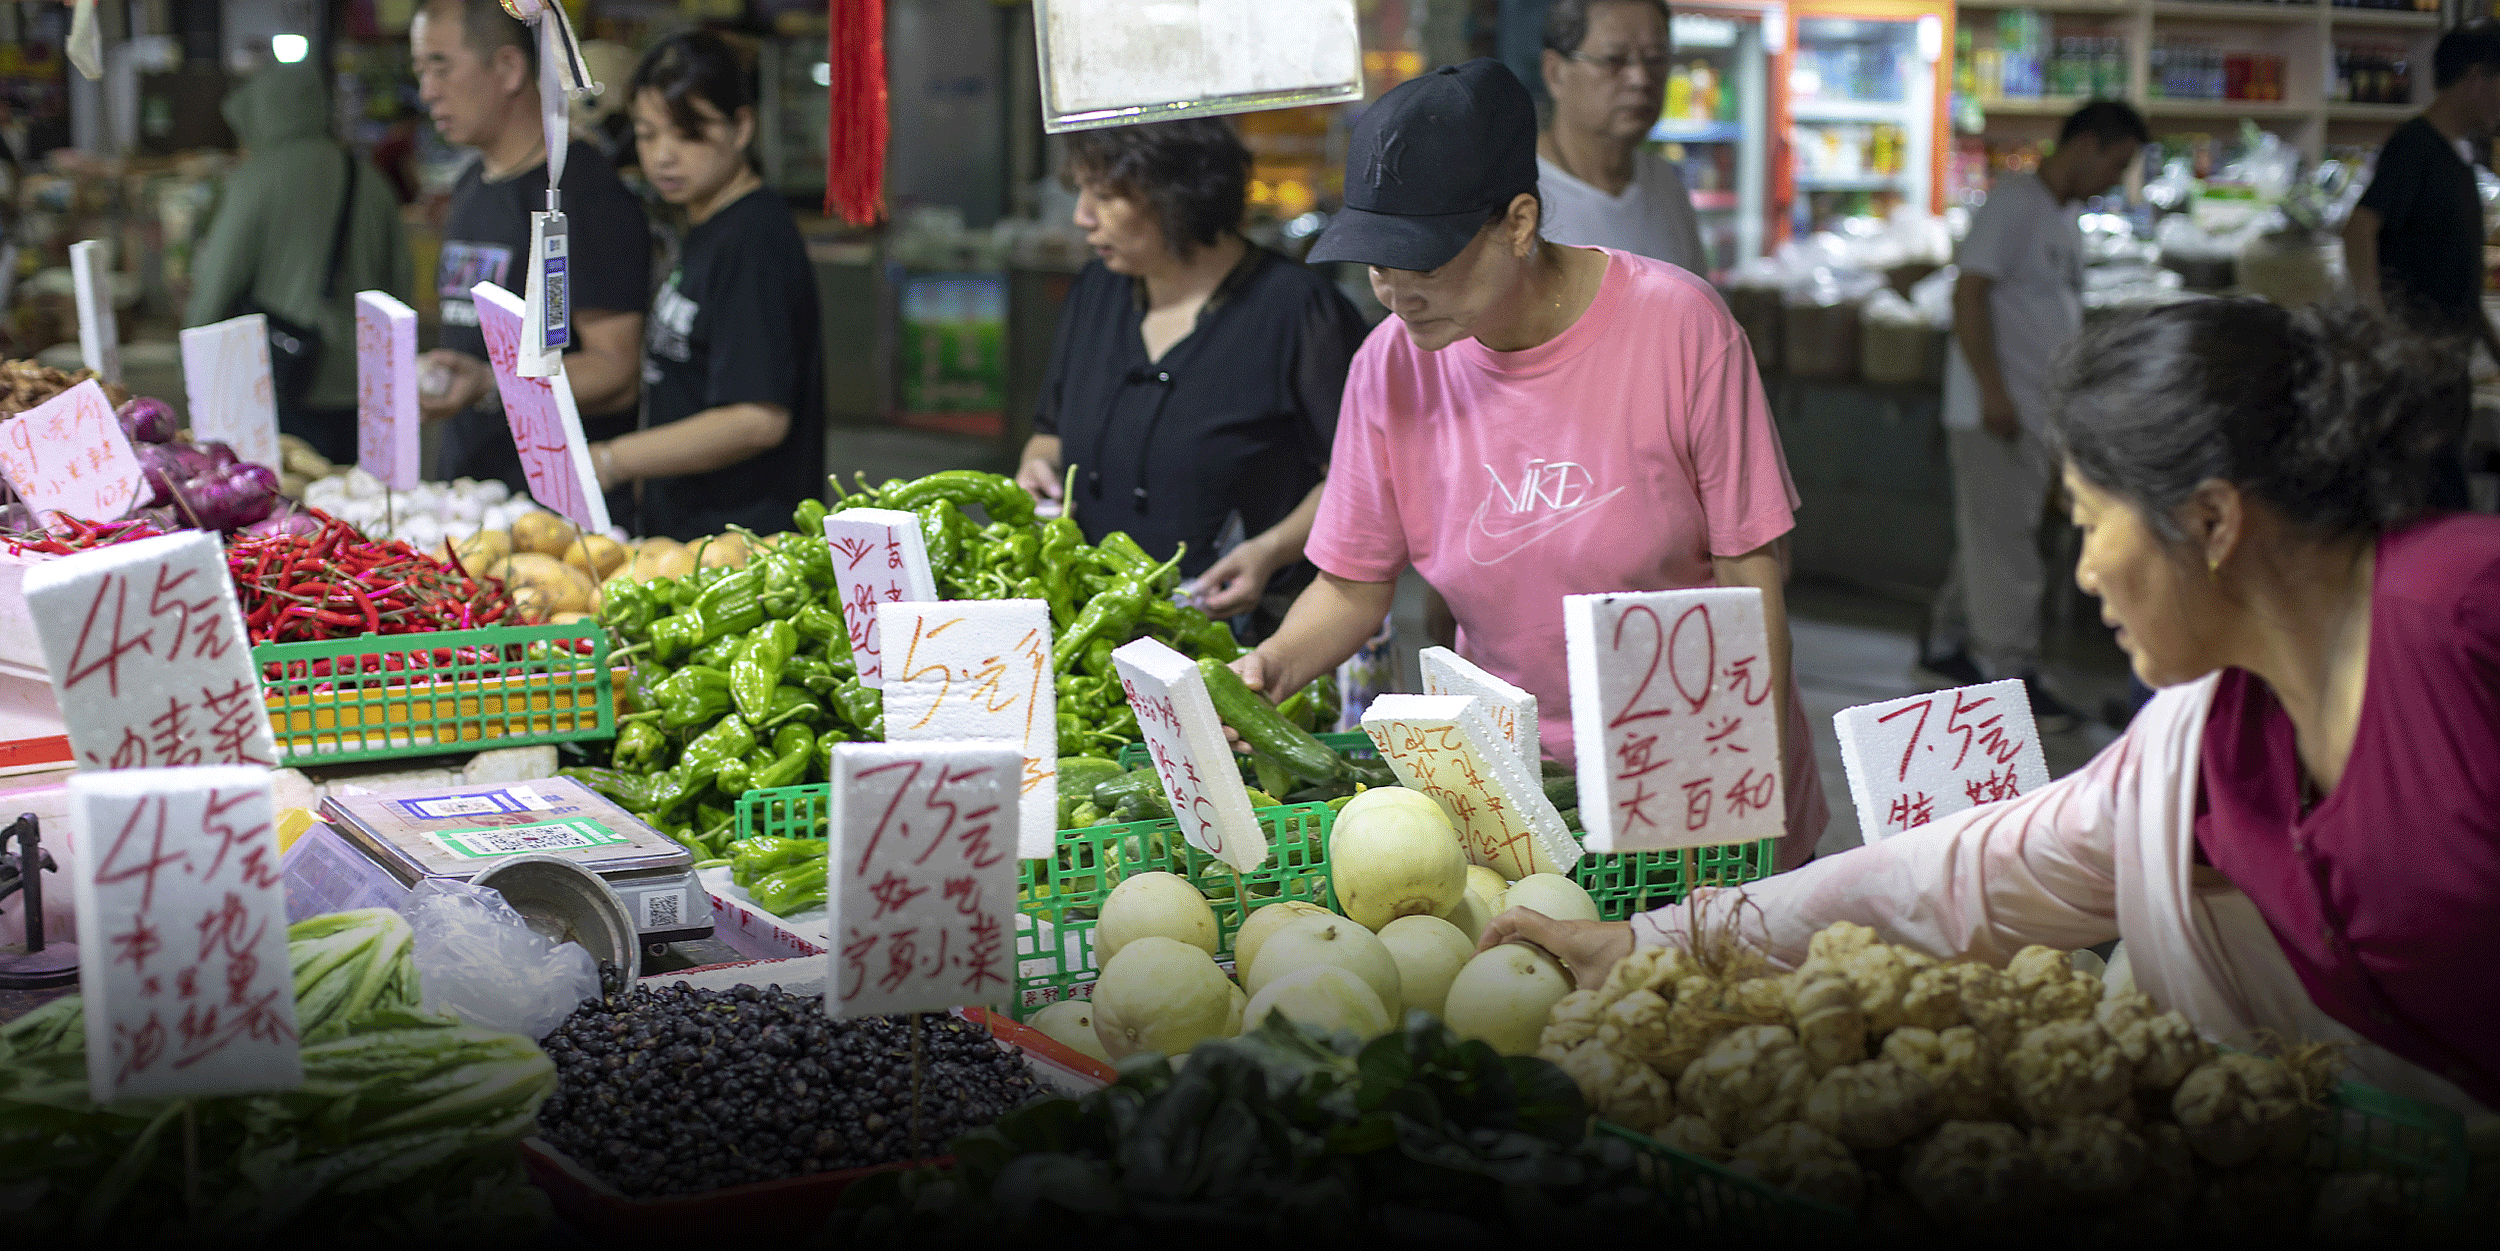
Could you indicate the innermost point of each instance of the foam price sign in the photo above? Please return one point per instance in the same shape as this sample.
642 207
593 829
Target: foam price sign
225 373
921 888
1449 747
182 917
386 390
1674 715
1184 736
978 671
1513 710
1913 760
879 557
555 457
68 455
148 657
99 335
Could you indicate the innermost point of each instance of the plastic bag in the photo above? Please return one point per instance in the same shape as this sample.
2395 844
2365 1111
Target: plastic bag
482 962
1932 296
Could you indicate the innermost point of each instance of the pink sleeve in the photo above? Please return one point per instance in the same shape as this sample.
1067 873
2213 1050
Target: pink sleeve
1358 534
1980 884
1740 471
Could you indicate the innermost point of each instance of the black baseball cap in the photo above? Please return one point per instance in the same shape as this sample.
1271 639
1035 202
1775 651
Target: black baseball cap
1429 162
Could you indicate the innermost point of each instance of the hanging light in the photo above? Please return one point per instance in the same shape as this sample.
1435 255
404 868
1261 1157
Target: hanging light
289 49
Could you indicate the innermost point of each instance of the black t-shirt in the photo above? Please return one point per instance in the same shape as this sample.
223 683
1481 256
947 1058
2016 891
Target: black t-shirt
486 238
1236 418
2430 240
736 323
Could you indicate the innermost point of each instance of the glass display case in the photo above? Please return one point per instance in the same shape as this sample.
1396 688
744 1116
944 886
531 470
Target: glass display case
1713 124
1864 111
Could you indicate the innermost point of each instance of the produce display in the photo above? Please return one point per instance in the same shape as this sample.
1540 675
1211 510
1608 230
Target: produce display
406 1122
324 580
677 1090
24 384
423 516
1949 1098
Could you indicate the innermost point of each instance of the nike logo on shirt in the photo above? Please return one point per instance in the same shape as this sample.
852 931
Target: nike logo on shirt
1546 497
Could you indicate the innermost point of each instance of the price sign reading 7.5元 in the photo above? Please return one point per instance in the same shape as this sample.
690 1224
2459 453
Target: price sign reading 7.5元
978 671
1913 760
1674 717
921 887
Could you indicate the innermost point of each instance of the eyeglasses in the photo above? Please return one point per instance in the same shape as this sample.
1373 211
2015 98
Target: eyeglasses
1654 62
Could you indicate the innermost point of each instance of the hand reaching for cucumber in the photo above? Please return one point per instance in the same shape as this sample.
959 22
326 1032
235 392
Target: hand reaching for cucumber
1252 670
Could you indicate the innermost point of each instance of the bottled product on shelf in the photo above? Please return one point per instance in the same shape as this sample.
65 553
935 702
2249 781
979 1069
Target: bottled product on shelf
2023 63
2203 71
2372 74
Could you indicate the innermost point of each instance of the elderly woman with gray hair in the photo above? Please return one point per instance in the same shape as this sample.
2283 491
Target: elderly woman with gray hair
2299 838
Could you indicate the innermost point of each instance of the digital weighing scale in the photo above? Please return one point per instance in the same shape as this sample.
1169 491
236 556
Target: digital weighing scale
459 832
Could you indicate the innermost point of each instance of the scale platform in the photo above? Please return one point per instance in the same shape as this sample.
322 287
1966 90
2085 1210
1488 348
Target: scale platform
458 832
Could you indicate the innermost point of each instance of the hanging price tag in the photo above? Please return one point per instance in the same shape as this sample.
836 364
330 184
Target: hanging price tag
99 335
920 891
964 671
547 317
68 457
1448 747
182 925
1513 710
225 375
879 557
1675 718
1186 738
1913 760
386 390
555 458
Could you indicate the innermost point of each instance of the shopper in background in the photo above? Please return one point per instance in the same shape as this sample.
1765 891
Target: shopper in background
1195 378
733 369
477 74
2018 301
1600 182
2299 838
1534 421
267 247
2414 244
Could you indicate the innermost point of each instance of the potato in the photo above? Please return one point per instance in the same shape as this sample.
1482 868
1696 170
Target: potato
662 558
597 555
542 532
542 585
568 618
483 550
722 550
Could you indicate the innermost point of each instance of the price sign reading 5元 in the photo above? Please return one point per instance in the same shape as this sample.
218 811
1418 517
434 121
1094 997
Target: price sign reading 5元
879 557
921 888
1199 772
1674 717
1913 760
966 671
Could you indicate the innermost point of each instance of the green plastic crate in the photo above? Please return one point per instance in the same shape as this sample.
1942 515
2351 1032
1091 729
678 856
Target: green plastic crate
786 811
381 697
1356 745
1707 1197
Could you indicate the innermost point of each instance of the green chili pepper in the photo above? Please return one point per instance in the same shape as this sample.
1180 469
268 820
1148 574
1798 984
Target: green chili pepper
752 858
644 685
719 653
1000 498
792 703
792 746
627 609
793 889
691 696
943 528
860 705
757 671
730 604
638 745
819 624
736 777
808 519
628 789
1111 614
729 740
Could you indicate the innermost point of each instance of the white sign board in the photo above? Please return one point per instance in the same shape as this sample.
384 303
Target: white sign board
68 456
148 656
1675 721
1913 760
386 390
1447 747
879 557
1200 773
546 428
1513 710
978 671
1113 62
99 335
920 892
182 926
225 374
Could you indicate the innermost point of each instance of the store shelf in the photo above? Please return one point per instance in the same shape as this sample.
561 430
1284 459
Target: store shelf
2032 106
1857 182
2389 114
1696 132
2054 6
2385 18
1714 201
1810 111
2254 110
2175 10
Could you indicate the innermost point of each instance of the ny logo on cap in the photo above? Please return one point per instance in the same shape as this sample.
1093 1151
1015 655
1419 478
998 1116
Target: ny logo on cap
1384 169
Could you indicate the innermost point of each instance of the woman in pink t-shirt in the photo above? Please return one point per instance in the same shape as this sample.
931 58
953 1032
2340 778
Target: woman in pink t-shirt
1535 421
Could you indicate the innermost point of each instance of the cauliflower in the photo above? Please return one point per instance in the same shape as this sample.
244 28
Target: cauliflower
1932 998
1802 1160
2162 1046
1872 1105
1692 1135
2359 1208
1956 1065
2051 989
2093 1159
1619 1087
2067 1069
1635 1025
1972 1171
1647 968
1573 1021
1748 1081
2236 1107
1823 1007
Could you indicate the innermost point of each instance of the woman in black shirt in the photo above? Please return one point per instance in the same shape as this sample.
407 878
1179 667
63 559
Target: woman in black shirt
732 365
1195 379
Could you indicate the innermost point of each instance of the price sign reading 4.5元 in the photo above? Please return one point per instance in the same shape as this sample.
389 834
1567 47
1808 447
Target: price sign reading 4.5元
182 926
879 557
68 455
1674 717
978 671
386 390
148 657
555 457
921 888
1513 710
1913 760
1448 747
1200 773
225 374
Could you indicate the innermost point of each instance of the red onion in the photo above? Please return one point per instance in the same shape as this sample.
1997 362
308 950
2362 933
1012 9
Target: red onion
147 420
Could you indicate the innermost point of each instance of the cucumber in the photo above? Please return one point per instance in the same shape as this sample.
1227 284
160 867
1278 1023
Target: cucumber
1259 724
1564 791
1139 793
